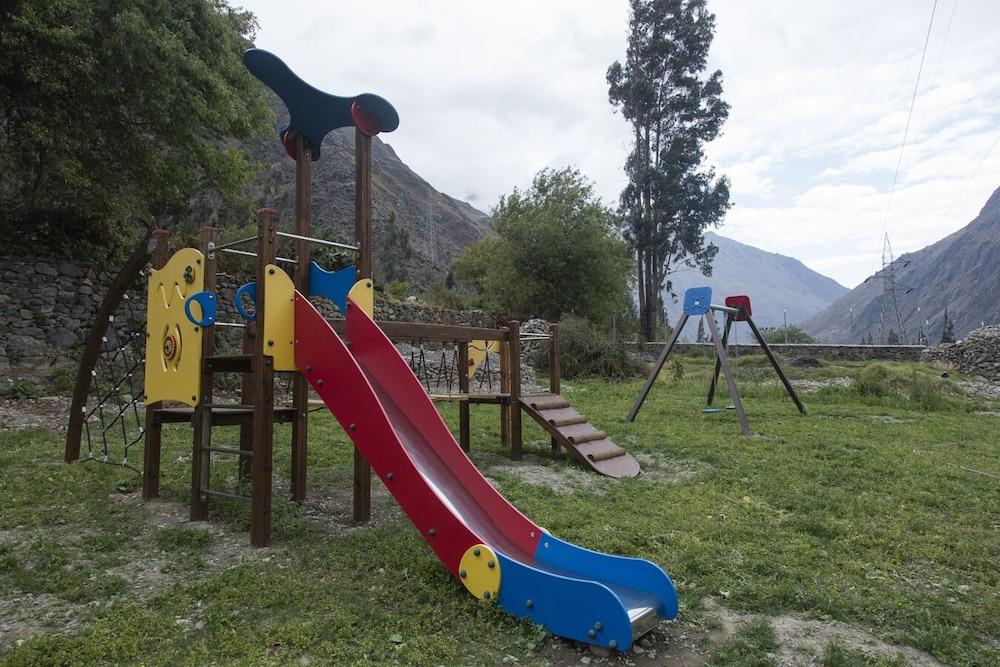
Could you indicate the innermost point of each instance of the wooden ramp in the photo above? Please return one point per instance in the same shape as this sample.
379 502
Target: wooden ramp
578 436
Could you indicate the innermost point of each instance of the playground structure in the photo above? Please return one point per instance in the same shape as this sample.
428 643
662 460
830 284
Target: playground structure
496 552
698 303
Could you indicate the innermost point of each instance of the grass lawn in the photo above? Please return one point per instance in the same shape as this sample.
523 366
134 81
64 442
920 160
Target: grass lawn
877 515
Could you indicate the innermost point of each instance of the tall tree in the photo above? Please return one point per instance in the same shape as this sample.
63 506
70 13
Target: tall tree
557 251
118 110
674 109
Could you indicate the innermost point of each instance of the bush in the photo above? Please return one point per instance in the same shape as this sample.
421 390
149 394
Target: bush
586 352
397 290
878 382
22 390
874 381
789 334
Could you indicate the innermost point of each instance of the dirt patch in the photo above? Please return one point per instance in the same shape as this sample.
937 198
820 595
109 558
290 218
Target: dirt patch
331 496
50 412
888 419
659 468
667 644
561 477
981 389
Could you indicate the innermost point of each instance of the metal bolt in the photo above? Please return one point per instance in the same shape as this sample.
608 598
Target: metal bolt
475 552
432 532
270 343
270 272
463 573
598 626
193 398
390 477
592 633
196 328
490 564
319 383
309 369
613 644
354 427
486 595
529 604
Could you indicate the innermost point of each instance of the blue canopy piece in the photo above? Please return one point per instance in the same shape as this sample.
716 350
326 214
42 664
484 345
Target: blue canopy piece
333 285
314 113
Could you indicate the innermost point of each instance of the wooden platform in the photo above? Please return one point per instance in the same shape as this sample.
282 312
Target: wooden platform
578 436
222 415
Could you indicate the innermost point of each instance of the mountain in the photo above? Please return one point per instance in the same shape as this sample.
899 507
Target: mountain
960 272
775 283
438 225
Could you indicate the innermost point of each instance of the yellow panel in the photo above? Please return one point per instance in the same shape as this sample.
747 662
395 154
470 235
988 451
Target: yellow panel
478 349
279 318
363 294
479 571
173 343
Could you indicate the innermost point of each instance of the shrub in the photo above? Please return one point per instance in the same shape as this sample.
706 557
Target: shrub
22 390
874 381
397 290
789 334
584 351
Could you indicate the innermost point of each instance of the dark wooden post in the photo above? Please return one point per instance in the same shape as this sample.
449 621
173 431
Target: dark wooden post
363 237
300 387
657 367
505 390
774 362
153 429
516 442
201 458
554 376
263 392
718 362
464 437
246 398
734 392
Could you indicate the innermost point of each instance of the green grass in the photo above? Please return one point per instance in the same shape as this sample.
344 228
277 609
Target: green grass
867 512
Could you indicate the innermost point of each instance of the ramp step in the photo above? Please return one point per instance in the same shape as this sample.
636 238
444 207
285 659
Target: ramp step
546 401
563 416
600 450
581 433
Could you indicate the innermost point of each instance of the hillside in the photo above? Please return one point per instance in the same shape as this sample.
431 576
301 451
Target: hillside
774 283
960 272
396 189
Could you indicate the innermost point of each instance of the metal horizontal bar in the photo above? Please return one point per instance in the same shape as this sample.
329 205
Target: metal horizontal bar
223 246
228 450
313 239
245 253
440 333
725 309
230 324
223 494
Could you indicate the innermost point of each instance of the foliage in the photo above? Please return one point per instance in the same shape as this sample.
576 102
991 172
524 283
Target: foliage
789 334
394 253
877 383
751 646
673 110
586 352
23 390
440 295
120 111
397 290
556 252
677 369
947 329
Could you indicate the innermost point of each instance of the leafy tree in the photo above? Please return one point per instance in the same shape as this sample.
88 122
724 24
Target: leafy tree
947 329
556 252
117 111
673 110
789 334
449 280
395 252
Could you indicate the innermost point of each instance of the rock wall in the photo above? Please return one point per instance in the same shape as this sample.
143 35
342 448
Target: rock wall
817 350
977 354
47 305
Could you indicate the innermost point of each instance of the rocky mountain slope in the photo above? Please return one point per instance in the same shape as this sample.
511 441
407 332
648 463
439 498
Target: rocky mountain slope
775 283
961 272
439 226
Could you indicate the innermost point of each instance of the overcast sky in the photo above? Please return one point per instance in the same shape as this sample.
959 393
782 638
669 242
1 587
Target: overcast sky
489 93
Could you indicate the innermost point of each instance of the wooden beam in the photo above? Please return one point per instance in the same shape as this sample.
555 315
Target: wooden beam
201 459
774 362
263 393
439 333
246 398
300 387
554 371
718 363
153 430
505 389
516 438
734 392
464 432
363 238
657 367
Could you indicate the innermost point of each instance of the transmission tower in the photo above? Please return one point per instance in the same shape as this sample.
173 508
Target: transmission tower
890 318
431 232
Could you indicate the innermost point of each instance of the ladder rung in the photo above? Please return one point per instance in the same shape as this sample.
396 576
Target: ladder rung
224 494
228 450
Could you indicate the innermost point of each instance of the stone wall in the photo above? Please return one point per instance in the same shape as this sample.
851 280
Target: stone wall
47 305
817 350
978 354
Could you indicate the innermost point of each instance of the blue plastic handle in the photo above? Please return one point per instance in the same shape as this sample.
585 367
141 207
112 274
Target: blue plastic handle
207 302
249 290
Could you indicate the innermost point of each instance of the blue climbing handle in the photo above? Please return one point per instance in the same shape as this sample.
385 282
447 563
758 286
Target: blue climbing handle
207 302
249 290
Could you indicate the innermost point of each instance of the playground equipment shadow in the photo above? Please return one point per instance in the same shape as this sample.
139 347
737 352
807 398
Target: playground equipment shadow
836 517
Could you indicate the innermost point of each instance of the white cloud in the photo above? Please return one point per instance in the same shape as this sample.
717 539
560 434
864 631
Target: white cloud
488 93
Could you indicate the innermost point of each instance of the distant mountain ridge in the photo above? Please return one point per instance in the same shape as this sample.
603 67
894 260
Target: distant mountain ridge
777 285
961 272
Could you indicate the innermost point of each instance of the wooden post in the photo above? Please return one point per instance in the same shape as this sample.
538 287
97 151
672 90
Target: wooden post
774 362
718 363
734 392
516 442
641 398
300 387
554 373
246 398
153 429
505 389
363 239
263 392
464 436
201 458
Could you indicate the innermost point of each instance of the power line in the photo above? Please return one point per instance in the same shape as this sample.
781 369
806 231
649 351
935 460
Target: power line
906 130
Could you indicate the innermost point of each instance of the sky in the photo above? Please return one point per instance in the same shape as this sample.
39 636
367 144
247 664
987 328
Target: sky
489 93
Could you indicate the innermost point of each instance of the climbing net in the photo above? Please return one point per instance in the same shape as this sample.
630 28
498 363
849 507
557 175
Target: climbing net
113 421
437 368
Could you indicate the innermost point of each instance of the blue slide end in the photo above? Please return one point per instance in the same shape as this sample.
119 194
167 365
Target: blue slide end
333 285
